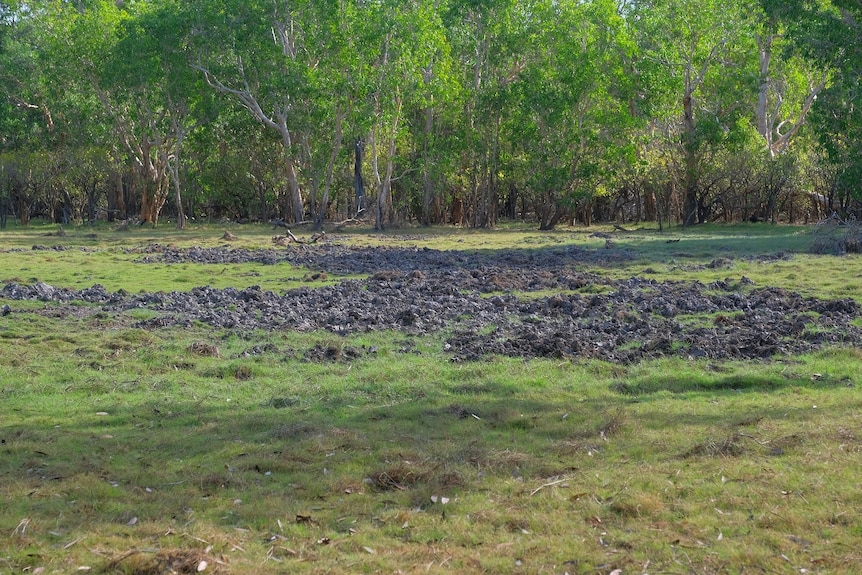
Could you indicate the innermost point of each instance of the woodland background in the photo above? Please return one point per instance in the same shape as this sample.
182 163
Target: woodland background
430 111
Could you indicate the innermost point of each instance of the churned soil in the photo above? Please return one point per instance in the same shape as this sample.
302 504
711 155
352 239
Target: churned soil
469 298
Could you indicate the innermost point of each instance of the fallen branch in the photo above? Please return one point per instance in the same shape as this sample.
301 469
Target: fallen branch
115 563
551 484
348 221
289 237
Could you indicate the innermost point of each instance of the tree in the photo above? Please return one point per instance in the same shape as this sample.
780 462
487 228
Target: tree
280 62
790 79
572 123
489 37
411 71
698 55
837 118
162 99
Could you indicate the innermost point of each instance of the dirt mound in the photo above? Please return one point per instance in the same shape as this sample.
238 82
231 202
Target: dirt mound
335 258
421 291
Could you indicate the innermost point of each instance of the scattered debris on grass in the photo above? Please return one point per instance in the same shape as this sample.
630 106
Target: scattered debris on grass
165 562
613 424
728 446
400 476
204 349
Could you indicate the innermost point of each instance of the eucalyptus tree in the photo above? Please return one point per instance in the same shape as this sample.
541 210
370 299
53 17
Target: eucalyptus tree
698 64
28 131
434 113
837 118
120 88
80 42
28 108
283 62
237 167
572 125
789 78
10 121
489 40
84 40
156 100
411 74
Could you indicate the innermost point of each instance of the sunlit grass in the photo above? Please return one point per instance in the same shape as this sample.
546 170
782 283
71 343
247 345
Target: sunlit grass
535 459
129 451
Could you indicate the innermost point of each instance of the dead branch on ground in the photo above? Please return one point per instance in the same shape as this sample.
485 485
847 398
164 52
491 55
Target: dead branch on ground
289 237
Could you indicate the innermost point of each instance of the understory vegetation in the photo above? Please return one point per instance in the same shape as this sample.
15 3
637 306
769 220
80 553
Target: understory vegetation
132 444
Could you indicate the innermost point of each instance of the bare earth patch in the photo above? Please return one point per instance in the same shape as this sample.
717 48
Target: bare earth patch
423 291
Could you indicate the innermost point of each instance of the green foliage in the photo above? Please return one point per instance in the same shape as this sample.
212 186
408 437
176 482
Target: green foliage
519 109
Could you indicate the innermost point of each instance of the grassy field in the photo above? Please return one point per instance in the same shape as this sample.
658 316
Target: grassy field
197 450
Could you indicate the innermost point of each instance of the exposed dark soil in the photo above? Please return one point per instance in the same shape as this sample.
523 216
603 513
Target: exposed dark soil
422 291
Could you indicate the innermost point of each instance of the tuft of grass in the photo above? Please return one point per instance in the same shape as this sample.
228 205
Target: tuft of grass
726 446
613 423
204 349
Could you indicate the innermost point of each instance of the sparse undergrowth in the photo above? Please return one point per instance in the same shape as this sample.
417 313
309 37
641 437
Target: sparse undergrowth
836 237
131 450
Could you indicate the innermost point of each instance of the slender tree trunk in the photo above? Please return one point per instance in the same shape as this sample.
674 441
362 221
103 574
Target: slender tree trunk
68 210
179 133
378 181
358 182
320 216
427 185
764 47
690 160
23 210
474 189
261 197
385 212
493 170
181 216
174 172
295 193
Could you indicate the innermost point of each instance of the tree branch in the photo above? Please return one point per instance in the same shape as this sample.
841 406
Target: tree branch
245 96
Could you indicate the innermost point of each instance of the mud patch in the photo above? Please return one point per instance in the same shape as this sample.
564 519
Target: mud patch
420 291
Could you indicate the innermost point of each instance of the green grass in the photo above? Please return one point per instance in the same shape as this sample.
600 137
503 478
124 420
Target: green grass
132 451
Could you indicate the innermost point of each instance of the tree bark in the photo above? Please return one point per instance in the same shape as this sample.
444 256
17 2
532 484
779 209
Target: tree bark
181 216
764 47
320 214
279 124
690 159
768 125
358 182
427 184
384 212
295 193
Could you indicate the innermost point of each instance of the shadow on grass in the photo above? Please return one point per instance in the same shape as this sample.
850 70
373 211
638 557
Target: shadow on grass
695 383
649 245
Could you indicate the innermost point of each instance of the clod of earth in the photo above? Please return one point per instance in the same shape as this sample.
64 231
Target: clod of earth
422 291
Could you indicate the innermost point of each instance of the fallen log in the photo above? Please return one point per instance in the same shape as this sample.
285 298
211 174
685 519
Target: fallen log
289 237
